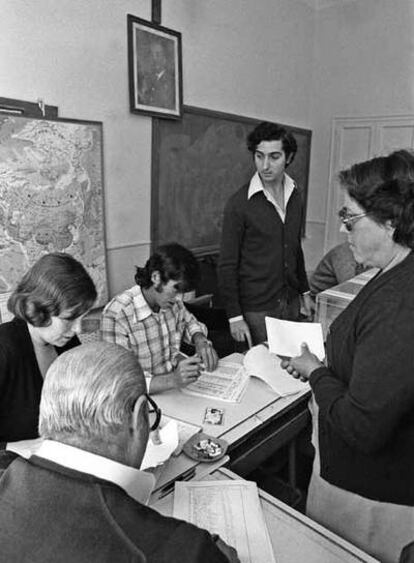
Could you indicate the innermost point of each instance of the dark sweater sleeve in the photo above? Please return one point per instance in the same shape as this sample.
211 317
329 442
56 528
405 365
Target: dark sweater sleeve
228 265
380 393
324 275
301 269
302 277
190 544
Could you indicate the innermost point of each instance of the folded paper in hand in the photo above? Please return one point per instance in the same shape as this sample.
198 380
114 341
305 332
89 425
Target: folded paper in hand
285 337
259 362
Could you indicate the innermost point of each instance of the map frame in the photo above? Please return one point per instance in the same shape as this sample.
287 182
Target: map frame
82 217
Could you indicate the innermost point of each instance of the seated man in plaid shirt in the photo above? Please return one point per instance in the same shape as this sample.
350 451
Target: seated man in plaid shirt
151 320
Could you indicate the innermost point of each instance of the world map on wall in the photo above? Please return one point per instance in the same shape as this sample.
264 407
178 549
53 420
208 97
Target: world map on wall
51 196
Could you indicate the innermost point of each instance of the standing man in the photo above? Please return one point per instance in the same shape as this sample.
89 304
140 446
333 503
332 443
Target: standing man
151 320
261 268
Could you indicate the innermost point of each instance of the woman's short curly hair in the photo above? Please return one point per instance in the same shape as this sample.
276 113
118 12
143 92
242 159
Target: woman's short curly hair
54 284
384 188
173 262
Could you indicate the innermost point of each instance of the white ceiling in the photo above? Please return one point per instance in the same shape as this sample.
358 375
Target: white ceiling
319 4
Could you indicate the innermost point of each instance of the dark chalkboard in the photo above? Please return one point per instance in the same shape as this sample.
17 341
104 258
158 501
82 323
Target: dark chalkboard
197 163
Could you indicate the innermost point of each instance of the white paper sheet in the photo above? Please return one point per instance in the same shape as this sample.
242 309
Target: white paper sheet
285 337
185 431
227 383
230 509
259 362
156 454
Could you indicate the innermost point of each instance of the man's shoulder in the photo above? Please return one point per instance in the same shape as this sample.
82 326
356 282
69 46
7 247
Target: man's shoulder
239 197
122 301
6 458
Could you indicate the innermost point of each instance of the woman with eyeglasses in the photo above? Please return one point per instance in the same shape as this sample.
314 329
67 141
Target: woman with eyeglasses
362 486
48 304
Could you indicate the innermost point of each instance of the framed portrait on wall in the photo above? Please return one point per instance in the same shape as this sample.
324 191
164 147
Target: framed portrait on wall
155 69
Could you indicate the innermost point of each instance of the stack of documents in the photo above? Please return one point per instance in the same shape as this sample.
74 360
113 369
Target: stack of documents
227 383
230 509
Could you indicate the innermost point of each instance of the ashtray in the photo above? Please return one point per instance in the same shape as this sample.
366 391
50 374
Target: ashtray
203 447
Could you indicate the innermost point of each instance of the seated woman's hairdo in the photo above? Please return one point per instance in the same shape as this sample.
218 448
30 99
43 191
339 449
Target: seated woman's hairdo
384 188
173 262
267 131
54 284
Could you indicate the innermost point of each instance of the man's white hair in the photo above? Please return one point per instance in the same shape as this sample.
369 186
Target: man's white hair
90 391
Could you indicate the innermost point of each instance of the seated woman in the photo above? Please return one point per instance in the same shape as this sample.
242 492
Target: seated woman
362 486
48 305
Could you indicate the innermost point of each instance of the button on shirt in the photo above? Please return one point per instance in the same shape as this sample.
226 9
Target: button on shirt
155 338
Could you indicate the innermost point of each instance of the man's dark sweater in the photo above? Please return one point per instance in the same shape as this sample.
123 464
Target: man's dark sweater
261 258
50 513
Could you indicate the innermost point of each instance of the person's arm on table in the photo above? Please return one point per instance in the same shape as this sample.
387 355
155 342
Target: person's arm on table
196 333
186 372
204 349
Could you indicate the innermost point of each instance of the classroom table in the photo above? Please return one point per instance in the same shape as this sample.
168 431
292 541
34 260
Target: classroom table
294 536
255 428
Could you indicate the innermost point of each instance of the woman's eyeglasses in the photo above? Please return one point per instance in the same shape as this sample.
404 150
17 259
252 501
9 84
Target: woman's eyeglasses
154 413
348 219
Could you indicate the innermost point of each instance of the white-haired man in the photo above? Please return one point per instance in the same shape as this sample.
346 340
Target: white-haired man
82 498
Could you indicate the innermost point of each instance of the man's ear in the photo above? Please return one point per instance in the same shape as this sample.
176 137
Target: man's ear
156 279
138 418
389 227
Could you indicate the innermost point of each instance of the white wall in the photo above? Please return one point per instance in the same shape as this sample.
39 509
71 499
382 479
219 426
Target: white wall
250 58
363 66
271 59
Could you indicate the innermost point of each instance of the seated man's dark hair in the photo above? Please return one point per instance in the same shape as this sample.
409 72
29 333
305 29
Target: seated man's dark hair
267 131
173 262
54 284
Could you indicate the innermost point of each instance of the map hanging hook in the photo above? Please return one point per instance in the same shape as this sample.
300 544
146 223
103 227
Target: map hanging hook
41 105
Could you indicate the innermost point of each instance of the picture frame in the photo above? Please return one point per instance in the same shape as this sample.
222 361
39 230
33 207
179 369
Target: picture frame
155 69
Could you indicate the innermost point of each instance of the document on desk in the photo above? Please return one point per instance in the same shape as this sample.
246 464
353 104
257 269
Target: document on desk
230 509
227 383
285 337
260 362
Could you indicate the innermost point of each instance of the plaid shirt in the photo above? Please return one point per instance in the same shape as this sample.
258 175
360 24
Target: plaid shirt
155 338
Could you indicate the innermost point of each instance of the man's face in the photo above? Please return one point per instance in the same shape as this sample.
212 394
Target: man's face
166 294
158 56
270 161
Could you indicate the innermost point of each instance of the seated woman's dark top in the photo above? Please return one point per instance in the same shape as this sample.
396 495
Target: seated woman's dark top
20 382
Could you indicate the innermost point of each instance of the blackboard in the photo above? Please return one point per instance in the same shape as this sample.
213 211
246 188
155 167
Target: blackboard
197 163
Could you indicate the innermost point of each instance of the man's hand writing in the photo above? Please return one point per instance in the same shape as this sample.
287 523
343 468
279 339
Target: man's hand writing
208 355
187 371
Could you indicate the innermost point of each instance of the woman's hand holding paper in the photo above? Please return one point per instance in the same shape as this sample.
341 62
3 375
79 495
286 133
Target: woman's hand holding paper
302 366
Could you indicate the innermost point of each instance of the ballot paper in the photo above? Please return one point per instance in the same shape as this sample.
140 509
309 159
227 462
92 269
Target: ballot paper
185 431
260 362
230 509
285 337
226 383
156 454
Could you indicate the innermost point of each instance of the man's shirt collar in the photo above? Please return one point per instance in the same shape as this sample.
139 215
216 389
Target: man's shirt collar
137 484
256 185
